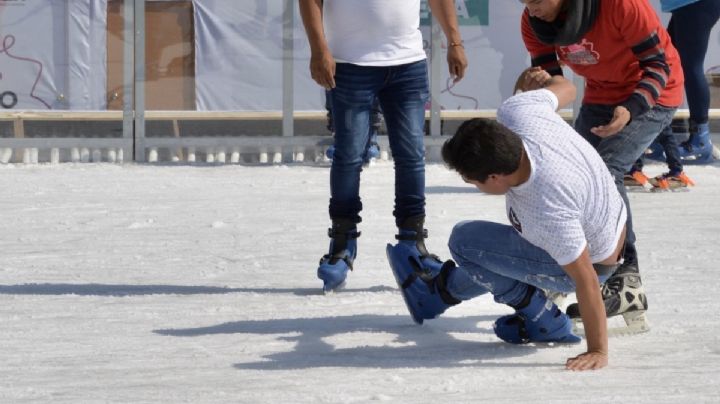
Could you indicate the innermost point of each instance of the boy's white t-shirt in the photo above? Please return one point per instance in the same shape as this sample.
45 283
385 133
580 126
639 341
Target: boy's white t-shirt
570 200
374 32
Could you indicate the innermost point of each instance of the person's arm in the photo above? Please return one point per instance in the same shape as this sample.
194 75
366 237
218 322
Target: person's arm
639 26
592 311
563 89
444 12
322 64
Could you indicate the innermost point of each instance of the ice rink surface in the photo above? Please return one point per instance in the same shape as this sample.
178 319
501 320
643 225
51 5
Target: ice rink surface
142 283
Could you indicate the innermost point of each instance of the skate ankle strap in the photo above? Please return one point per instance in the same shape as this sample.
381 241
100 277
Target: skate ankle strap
415 236
352 234
441 283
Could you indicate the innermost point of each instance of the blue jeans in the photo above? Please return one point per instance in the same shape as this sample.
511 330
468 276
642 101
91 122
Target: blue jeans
621 150
494 258
670 145
403 92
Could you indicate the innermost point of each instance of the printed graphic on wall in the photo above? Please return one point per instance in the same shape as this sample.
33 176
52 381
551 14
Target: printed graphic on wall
469 12
53 55
14 90
46 57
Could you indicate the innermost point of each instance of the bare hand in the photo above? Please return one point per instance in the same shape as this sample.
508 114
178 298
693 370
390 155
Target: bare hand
587 361
457 63
532 78
621 117
322 69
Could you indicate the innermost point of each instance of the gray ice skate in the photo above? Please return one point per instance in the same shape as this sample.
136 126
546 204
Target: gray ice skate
623 294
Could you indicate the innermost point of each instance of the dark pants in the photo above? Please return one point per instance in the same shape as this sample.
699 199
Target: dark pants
403 92
621 150
689 29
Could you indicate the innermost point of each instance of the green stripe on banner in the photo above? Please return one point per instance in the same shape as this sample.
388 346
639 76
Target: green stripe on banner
469 12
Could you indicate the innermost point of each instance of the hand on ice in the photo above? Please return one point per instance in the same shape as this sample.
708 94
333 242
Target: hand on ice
587 361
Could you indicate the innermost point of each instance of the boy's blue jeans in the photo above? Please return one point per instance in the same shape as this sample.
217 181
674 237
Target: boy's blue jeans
403 92
621 150
493 257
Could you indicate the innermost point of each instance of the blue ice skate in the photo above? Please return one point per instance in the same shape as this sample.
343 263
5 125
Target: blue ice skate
334 265
419 284
540 321
373 149
419 274
698 148
330 152
655 152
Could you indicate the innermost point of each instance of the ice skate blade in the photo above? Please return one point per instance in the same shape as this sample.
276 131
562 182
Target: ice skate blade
639 188
332 291
671 189
635 323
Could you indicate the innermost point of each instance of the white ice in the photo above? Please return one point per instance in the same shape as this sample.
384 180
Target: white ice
146 283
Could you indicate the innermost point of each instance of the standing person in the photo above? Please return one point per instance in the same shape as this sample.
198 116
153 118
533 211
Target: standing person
633 85
689 29
361 50
567 226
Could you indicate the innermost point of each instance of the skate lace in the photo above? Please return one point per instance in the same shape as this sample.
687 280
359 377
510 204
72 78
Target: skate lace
612 286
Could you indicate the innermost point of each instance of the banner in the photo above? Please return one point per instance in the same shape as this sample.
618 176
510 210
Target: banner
239 55
52 54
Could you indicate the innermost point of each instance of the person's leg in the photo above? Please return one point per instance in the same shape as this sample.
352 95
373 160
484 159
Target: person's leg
669 143
402 100
493 257
675 177
351 100
372 149
690 28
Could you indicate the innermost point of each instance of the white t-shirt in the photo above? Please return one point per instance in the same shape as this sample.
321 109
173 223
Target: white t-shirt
374 32
570 200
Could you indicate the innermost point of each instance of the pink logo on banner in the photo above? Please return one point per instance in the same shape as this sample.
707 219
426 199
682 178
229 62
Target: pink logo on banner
8 99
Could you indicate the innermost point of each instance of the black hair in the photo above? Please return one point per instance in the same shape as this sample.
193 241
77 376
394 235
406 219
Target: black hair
481 147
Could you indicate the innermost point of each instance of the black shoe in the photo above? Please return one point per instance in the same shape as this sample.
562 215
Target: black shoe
622 293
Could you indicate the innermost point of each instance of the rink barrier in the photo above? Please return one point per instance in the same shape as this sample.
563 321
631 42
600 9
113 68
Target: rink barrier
244 149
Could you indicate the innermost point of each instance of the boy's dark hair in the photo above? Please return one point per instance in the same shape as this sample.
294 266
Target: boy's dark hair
482 147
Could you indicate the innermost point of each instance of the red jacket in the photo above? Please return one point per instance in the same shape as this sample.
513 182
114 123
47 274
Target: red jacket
626 58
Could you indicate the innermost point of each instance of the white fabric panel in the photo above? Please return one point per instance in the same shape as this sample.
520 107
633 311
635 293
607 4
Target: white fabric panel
238 55
52 54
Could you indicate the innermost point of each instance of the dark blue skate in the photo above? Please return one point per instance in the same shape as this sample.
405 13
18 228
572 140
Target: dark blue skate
540 321
418 282
334 266
698 149
655 152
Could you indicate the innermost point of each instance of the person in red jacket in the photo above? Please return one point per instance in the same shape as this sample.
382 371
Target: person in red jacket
633 85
